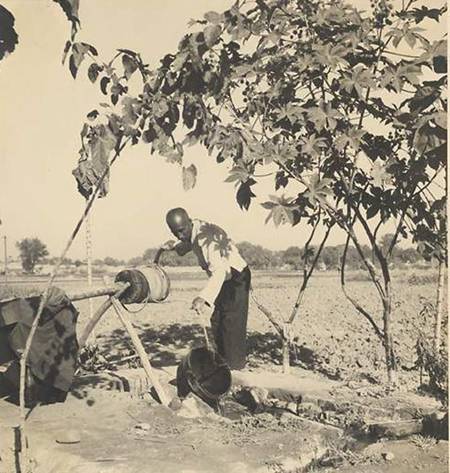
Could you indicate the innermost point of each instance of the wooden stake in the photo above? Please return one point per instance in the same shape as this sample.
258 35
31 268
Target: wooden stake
439 304
140 351
5 252
24 458
88 237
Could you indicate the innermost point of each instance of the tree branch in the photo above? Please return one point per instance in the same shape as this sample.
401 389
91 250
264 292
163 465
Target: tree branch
400 54
348 228
396 233
425 186
377 228
355 304
308 273
378 253
372 241
272 319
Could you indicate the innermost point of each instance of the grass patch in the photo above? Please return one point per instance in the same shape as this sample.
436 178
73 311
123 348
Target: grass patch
425 443
422 279
10 291
359 276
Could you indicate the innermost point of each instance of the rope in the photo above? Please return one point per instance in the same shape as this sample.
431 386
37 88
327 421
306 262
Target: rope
148 298
144 305
163 277
205 333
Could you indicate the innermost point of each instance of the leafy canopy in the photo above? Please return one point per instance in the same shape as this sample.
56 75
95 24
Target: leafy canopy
318 93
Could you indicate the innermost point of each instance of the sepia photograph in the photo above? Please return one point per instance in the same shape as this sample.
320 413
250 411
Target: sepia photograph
223 236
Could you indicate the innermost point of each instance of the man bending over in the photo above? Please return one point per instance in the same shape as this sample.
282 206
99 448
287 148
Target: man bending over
228 283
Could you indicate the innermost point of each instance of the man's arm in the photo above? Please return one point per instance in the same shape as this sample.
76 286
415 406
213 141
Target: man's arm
210 292
180 248
217 267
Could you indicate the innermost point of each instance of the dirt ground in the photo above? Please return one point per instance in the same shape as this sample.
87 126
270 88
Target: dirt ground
402 456
119 433
106 431
330 336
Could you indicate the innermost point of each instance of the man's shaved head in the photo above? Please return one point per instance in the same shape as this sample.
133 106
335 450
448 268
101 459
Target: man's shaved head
179 223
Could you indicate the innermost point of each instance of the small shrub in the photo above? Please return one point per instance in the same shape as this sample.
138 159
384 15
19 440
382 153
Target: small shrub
435 364
422 279
90 359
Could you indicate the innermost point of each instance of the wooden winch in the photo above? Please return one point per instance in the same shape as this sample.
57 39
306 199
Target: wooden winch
142 285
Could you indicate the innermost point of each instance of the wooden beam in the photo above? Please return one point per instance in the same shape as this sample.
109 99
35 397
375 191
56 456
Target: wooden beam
77 296
165 400
114 289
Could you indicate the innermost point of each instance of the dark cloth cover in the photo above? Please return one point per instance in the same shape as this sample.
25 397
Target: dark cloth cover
53 354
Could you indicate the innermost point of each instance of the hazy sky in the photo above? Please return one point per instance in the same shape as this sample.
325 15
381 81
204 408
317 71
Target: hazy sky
41 112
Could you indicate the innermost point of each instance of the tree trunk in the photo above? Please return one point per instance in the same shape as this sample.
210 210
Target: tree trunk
286 360
439 300
391 364
286 345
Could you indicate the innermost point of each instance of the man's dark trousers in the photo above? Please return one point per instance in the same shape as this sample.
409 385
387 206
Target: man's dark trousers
229 319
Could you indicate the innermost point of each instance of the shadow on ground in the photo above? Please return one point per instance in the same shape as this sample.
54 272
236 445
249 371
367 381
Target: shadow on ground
265 348
167 344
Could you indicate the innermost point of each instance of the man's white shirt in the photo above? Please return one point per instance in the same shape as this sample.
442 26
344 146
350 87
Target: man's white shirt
216 254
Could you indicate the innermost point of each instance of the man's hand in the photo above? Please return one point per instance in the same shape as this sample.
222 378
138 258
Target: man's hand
199 305
168 245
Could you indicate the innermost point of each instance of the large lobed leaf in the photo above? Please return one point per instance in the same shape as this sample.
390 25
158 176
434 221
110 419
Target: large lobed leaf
8 35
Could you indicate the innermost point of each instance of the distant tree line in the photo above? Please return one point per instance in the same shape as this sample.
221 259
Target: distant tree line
33 252
259 257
